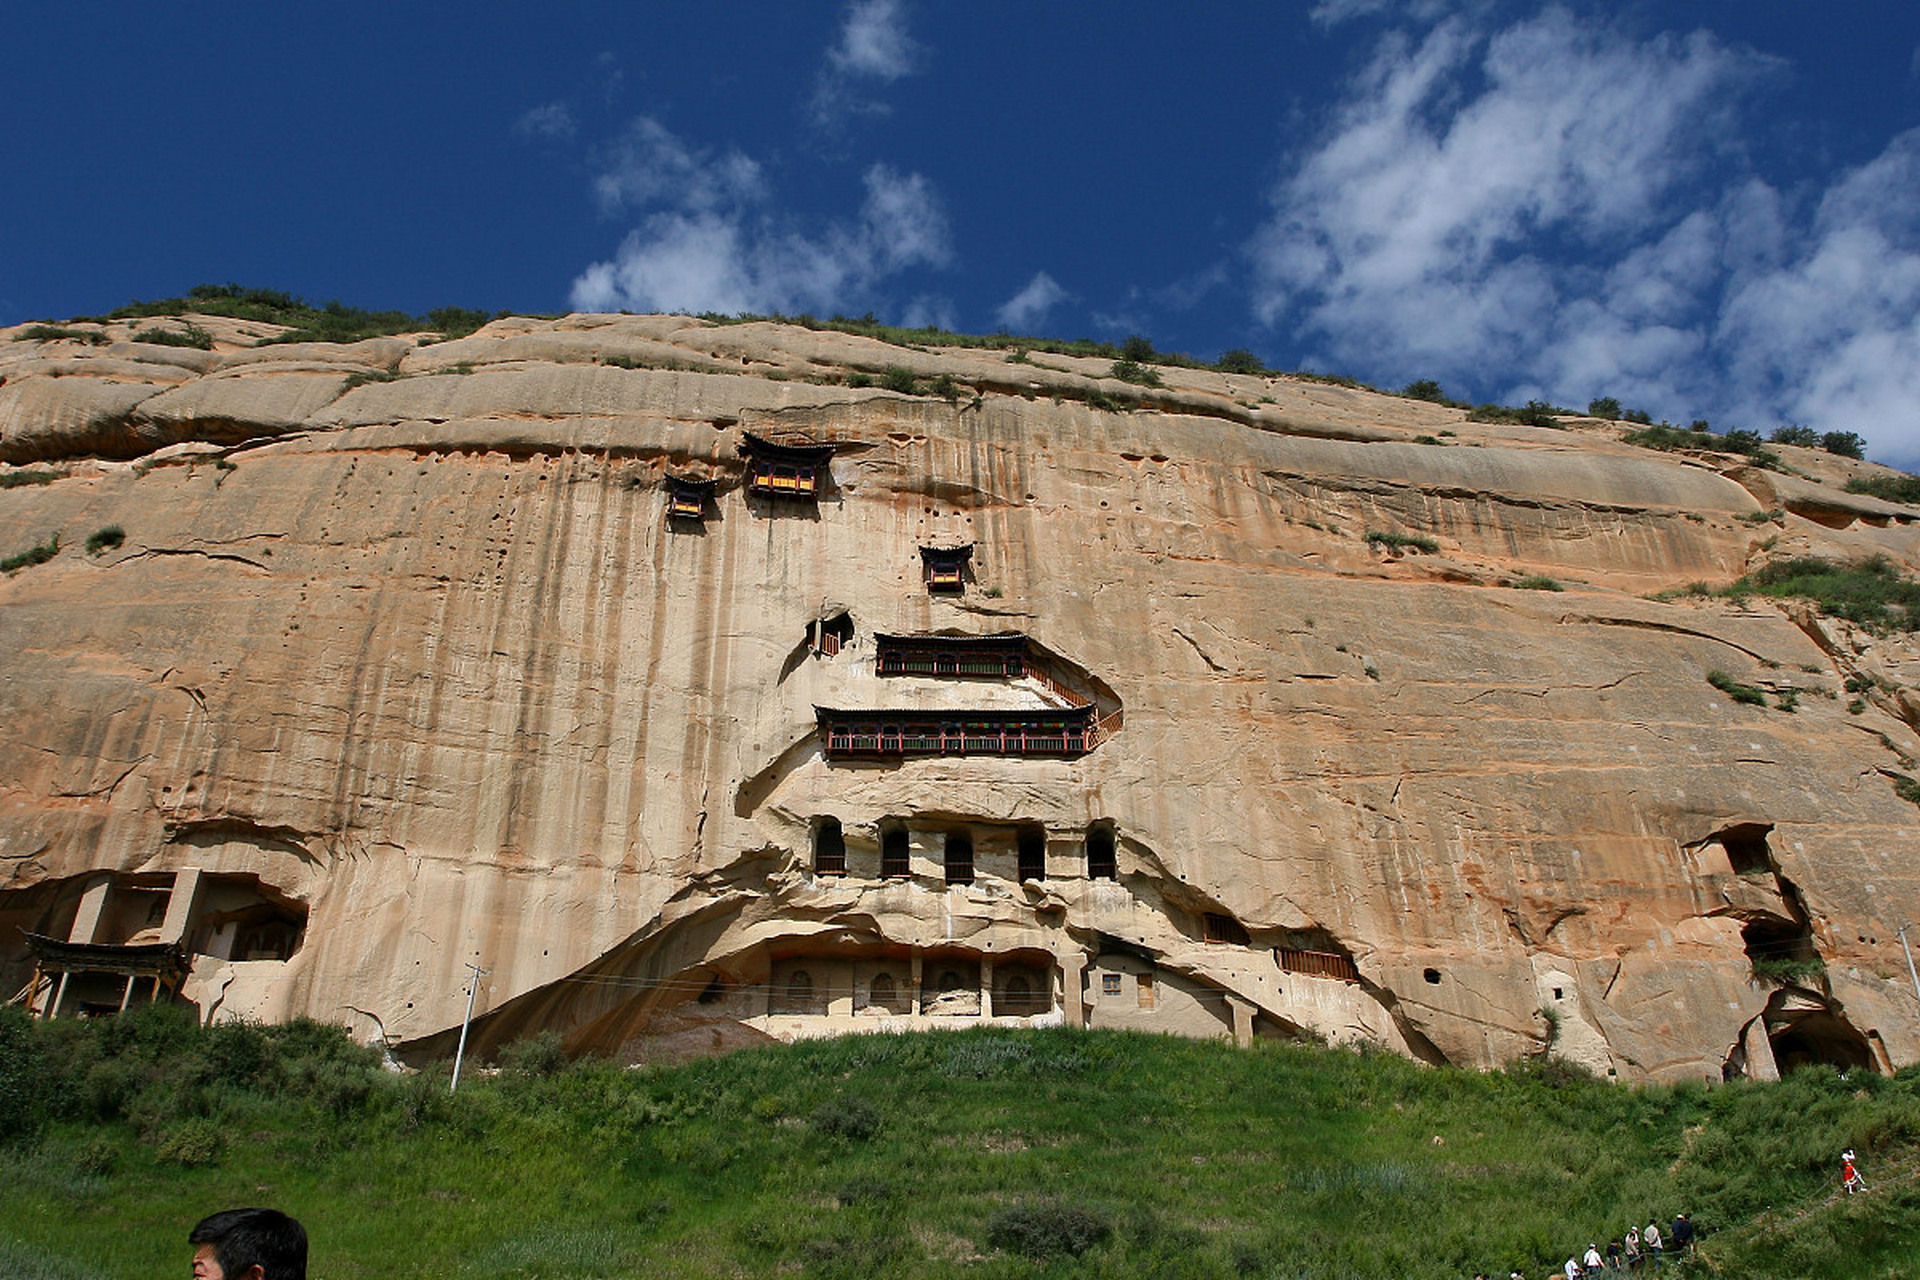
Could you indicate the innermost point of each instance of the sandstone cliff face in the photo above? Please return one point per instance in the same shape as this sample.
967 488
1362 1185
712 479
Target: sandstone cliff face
401 655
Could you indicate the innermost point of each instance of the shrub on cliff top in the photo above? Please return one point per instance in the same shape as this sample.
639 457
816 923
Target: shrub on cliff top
333 322
1535 413
59 333
190 336
1870 592
1900 488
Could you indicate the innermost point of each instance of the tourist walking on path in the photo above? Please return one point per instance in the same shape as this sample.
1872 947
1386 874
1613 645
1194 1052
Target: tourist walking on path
1592 1262
1633 1249
1613 1255
1849 1176
1683 1236
1572 1268
1650 1239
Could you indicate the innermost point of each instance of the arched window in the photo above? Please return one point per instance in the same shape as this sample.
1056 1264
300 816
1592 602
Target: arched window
1019 997
1102 863
881 991
799 992
893 850
959 858
829 848
1033 853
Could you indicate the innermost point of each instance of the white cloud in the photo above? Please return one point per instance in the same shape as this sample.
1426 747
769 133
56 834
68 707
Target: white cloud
873 46
709 238
649 164
1028 309
904 220
1417 224
550 120
1830 335
1331 13
874 42
1562 210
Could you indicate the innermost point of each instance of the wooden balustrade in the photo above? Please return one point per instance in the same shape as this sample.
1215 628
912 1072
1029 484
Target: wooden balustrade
1317 964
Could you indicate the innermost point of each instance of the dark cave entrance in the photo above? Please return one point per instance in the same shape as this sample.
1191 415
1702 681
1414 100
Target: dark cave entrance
1819 1037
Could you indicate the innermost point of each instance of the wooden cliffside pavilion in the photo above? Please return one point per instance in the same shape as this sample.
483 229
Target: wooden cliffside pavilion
687 498
95 969
978 695
786 468
945 568
1068 731
1002 655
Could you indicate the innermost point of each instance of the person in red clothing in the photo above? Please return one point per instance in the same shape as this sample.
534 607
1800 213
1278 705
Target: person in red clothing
1849 1176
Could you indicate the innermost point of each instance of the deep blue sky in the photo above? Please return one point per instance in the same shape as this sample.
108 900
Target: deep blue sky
1707 208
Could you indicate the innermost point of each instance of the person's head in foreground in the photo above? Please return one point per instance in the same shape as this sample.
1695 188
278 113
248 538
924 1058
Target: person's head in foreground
249 1244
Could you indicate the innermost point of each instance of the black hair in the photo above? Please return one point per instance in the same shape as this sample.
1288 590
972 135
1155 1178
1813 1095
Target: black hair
243 1238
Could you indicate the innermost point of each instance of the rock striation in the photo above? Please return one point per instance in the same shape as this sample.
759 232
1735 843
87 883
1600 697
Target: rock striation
400 668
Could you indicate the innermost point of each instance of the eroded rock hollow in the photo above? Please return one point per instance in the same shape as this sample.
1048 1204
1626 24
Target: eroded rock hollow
695 688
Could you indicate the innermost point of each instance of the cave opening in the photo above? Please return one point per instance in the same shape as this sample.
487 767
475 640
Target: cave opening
1748 853
1032 852
1780 950
829 848
1102 862
1819 1037
959 857
894 855
830 635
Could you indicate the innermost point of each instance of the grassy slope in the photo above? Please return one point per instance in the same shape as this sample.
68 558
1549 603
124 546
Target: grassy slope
1283 1161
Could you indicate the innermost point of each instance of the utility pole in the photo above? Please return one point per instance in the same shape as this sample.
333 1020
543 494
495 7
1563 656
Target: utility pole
1909 950
473 984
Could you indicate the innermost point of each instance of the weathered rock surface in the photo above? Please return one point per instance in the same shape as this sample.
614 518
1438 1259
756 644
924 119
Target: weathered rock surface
408 652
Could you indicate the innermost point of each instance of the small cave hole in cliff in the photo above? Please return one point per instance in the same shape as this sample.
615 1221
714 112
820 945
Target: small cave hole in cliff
1746 846
1773 943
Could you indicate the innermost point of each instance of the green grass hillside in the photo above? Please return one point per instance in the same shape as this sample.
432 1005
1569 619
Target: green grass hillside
983 1154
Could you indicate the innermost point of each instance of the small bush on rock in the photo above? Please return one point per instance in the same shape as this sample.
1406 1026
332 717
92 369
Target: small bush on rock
1741 693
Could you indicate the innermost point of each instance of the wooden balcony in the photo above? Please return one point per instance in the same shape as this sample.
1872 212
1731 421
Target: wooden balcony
896 734
1317 964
